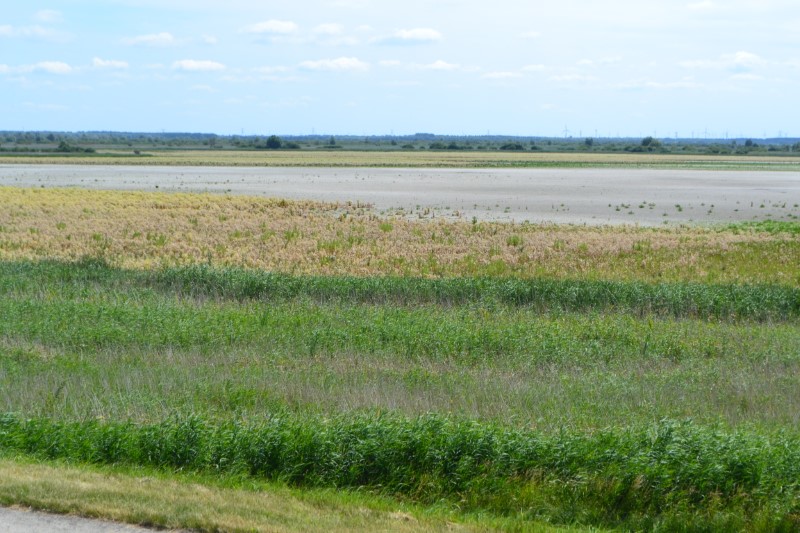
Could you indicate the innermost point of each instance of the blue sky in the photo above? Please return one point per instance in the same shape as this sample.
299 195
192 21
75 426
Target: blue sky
617 67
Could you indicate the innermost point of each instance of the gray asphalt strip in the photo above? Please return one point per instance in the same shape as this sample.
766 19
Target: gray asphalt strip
24 521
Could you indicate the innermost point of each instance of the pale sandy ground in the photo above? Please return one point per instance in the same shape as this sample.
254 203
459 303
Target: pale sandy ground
592 196
23 521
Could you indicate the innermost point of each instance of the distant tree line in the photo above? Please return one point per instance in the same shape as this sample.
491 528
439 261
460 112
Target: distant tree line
68 142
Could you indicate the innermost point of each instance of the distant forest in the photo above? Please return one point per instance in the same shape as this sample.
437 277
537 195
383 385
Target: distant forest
93 141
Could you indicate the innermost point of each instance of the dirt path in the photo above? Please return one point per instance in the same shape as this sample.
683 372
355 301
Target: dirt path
593 196
24 521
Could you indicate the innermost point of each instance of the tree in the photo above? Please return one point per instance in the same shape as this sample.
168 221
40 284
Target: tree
650 144
512 146
274 142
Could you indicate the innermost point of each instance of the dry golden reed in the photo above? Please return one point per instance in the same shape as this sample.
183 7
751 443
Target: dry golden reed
420 158
148 230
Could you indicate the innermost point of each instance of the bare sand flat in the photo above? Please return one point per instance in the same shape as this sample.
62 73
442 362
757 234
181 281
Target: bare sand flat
591 196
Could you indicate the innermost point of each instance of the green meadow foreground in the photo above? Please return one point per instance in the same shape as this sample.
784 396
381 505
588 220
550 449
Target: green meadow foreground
432 375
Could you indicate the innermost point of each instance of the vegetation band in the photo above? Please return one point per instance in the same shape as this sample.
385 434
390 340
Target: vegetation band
613 474
728 301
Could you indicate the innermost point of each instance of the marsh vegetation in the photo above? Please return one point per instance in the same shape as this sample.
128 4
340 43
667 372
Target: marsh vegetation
610 377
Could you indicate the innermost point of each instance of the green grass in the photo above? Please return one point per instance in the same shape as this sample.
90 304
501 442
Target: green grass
90 341
668 473
773 227
612 404
690 299
216 501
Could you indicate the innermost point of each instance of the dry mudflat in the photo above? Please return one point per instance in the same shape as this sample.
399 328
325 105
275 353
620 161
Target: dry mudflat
578 195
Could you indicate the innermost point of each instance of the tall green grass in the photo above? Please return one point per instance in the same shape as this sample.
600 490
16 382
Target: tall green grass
280 377
753 302
87 319
668 473
95 341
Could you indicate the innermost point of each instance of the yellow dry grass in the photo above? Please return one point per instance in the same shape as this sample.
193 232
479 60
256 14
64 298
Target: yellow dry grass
147 230
176 503
421 158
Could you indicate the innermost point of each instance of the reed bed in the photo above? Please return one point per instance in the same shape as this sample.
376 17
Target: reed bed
88 340
664 475
695 300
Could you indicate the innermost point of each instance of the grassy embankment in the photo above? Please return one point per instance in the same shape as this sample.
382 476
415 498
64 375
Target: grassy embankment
216 502
431 159
555 387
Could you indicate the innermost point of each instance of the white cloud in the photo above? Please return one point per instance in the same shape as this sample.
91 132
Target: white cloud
329 29
738 62
152 39
530 35
744 60
279 27
27 31
194 65
649 84
440 65
598 62
48 15
51 67
339 64
501 75
109 63
419 34
332 35
412 36
210 39
534 68
565 78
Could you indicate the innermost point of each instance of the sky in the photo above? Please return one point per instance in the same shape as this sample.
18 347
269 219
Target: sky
580 68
